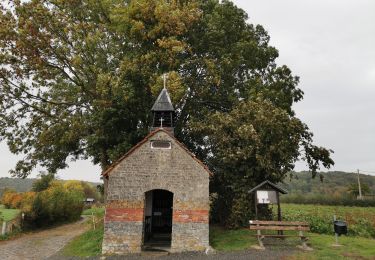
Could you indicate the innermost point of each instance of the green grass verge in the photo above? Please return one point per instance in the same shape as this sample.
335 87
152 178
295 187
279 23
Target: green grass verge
8 214
87 244
352 248
230 240
95 210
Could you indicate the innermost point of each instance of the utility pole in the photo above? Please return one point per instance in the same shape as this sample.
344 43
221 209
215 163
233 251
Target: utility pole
359 186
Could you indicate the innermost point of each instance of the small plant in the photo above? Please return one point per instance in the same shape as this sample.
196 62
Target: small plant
361 222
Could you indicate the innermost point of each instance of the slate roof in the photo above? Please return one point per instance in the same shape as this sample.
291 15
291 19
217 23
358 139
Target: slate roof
267 182
110 168
163 102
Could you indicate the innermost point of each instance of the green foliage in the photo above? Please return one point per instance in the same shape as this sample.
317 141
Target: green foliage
15 232
56 204
242 239
8 214
82 76
230 240
87 244
353 189
250 146
59 202
353 248
43 183
94 210
327 199
361 221
333 183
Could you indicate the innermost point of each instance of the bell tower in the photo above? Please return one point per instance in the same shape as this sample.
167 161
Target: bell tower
163 111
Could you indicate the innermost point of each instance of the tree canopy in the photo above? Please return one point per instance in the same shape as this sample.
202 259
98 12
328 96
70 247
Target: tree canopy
78 78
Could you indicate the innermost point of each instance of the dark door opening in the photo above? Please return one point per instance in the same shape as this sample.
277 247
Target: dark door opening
158 219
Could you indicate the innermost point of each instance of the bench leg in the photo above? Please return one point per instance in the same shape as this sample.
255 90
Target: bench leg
304 240
260 239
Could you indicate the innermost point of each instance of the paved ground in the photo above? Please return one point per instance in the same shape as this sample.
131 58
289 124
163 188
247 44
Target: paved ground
276 250
47 244
238 255
40 245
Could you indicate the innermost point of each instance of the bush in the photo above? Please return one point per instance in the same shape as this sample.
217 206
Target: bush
320 218
57 203
318 199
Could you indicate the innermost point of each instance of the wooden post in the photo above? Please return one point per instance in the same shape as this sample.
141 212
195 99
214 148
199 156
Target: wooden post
278 206
93 219
256 205
280 232
3 228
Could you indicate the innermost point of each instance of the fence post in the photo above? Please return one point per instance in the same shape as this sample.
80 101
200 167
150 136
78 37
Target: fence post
3 228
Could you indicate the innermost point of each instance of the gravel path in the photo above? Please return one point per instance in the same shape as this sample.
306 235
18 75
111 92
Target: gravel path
236 255
40 245
276 250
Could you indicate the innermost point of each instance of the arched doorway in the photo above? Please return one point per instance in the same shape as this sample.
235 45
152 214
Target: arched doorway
158 219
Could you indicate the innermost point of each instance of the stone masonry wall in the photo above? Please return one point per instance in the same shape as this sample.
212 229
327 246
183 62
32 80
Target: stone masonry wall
147 169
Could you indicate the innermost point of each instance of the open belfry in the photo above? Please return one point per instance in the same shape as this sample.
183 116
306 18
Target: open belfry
157 194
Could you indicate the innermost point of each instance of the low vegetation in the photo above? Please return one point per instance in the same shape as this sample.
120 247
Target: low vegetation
98 211
87 244
305 190
8 214
361 221
50 202
90 242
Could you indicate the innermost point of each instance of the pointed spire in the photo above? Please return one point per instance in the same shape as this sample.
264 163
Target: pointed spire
163 102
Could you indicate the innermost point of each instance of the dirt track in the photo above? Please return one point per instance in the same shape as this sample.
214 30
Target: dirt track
40 245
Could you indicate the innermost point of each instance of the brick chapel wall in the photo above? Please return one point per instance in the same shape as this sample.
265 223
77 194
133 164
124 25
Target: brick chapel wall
147 169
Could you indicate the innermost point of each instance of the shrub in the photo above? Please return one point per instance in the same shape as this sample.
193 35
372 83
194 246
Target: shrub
318 199
320 218
57 204
7 198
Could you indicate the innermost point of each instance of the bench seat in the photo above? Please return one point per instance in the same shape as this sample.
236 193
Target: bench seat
280 226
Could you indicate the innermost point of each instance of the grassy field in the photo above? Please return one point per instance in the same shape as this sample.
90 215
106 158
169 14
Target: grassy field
347 213
360 220
8 214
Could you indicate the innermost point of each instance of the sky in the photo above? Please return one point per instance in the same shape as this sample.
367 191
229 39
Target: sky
329 44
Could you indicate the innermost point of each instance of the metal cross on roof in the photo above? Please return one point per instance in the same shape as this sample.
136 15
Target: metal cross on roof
165 76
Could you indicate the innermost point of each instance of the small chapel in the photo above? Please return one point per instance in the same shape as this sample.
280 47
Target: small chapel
157 194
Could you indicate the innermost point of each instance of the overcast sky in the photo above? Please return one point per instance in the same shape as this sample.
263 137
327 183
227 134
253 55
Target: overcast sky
330 44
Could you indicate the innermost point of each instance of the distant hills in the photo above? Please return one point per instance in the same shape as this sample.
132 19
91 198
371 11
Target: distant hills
19 185
334 183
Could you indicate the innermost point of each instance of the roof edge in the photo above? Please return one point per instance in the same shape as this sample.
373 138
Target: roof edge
279 189
107 171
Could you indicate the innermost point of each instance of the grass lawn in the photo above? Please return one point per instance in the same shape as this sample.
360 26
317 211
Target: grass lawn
95 210
89 244
353 248
8 214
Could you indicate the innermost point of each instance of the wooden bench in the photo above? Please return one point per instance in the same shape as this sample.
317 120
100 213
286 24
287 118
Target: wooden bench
259 225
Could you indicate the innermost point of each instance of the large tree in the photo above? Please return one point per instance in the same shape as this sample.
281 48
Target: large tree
78 77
